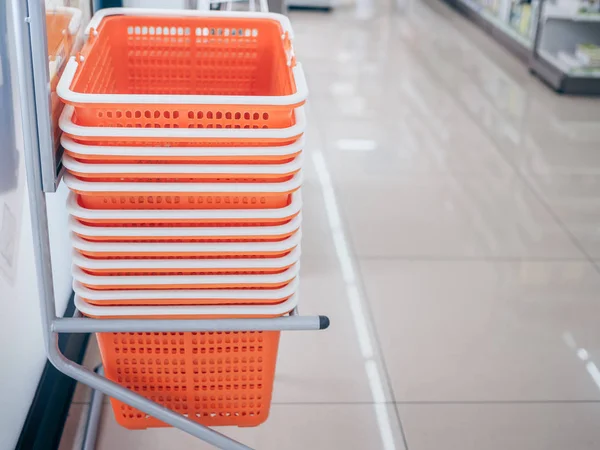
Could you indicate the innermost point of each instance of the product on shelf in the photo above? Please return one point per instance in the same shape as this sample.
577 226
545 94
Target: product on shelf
588 54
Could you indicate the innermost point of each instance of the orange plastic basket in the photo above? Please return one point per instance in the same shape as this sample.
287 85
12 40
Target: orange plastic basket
185 234
192 70
173 297
215 136
149 218
215 379
185 250
242 280
169 154
218 195
190 266
166 173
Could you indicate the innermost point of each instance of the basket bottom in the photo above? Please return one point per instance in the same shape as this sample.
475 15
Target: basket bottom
133 419
215 379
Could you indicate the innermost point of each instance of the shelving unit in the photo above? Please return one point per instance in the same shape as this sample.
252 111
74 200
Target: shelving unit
553 29
561 31
496 26
43 177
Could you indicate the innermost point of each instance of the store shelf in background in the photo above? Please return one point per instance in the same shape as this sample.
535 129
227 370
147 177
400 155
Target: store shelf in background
561 12
499 22
521 46
551 42
564 66
558 44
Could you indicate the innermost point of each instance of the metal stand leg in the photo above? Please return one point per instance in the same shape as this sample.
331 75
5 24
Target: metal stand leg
277 6
94 414
149 407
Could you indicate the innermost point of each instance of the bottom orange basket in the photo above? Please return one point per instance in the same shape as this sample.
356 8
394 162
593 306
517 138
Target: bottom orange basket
221 378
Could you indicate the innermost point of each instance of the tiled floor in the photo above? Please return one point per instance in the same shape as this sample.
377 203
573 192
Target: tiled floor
451 232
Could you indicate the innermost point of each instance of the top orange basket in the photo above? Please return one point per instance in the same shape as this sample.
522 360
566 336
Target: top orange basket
189 69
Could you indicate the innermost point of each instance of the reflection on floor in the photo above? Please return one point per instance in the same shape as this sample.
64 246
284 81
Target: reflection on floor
451 231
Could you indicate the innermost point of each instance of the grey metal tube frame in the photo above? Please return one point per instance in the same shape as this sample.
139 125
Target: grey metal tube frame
93 419
37 143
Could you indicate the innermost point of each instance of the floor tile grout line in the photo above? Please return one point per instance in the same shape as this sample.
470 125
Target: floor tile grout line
517 171
370 318
375 332
491 259
415 402
495 402
442 402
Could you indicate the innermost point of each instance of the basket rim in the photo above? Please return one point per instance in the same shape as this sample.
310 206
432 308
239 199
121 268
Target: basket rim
84 262
167 151
184 232
72 165
186 247
64 91
67 125
241 294
101 14
142 280
277 309
162 188
80 212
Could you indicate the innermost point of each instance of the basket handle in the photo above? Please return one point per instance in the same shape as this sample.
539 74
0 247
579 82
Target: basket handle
63 89
290 54
75 22
76 16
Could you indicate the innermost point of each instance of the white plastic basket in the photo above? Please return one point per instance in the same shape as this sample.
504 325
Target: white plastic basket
126 282
168 153
178 250
185 216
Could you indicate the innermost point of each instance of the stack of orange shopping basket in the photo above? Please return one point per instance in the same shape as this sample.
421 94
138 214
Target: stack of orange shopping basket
183 137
